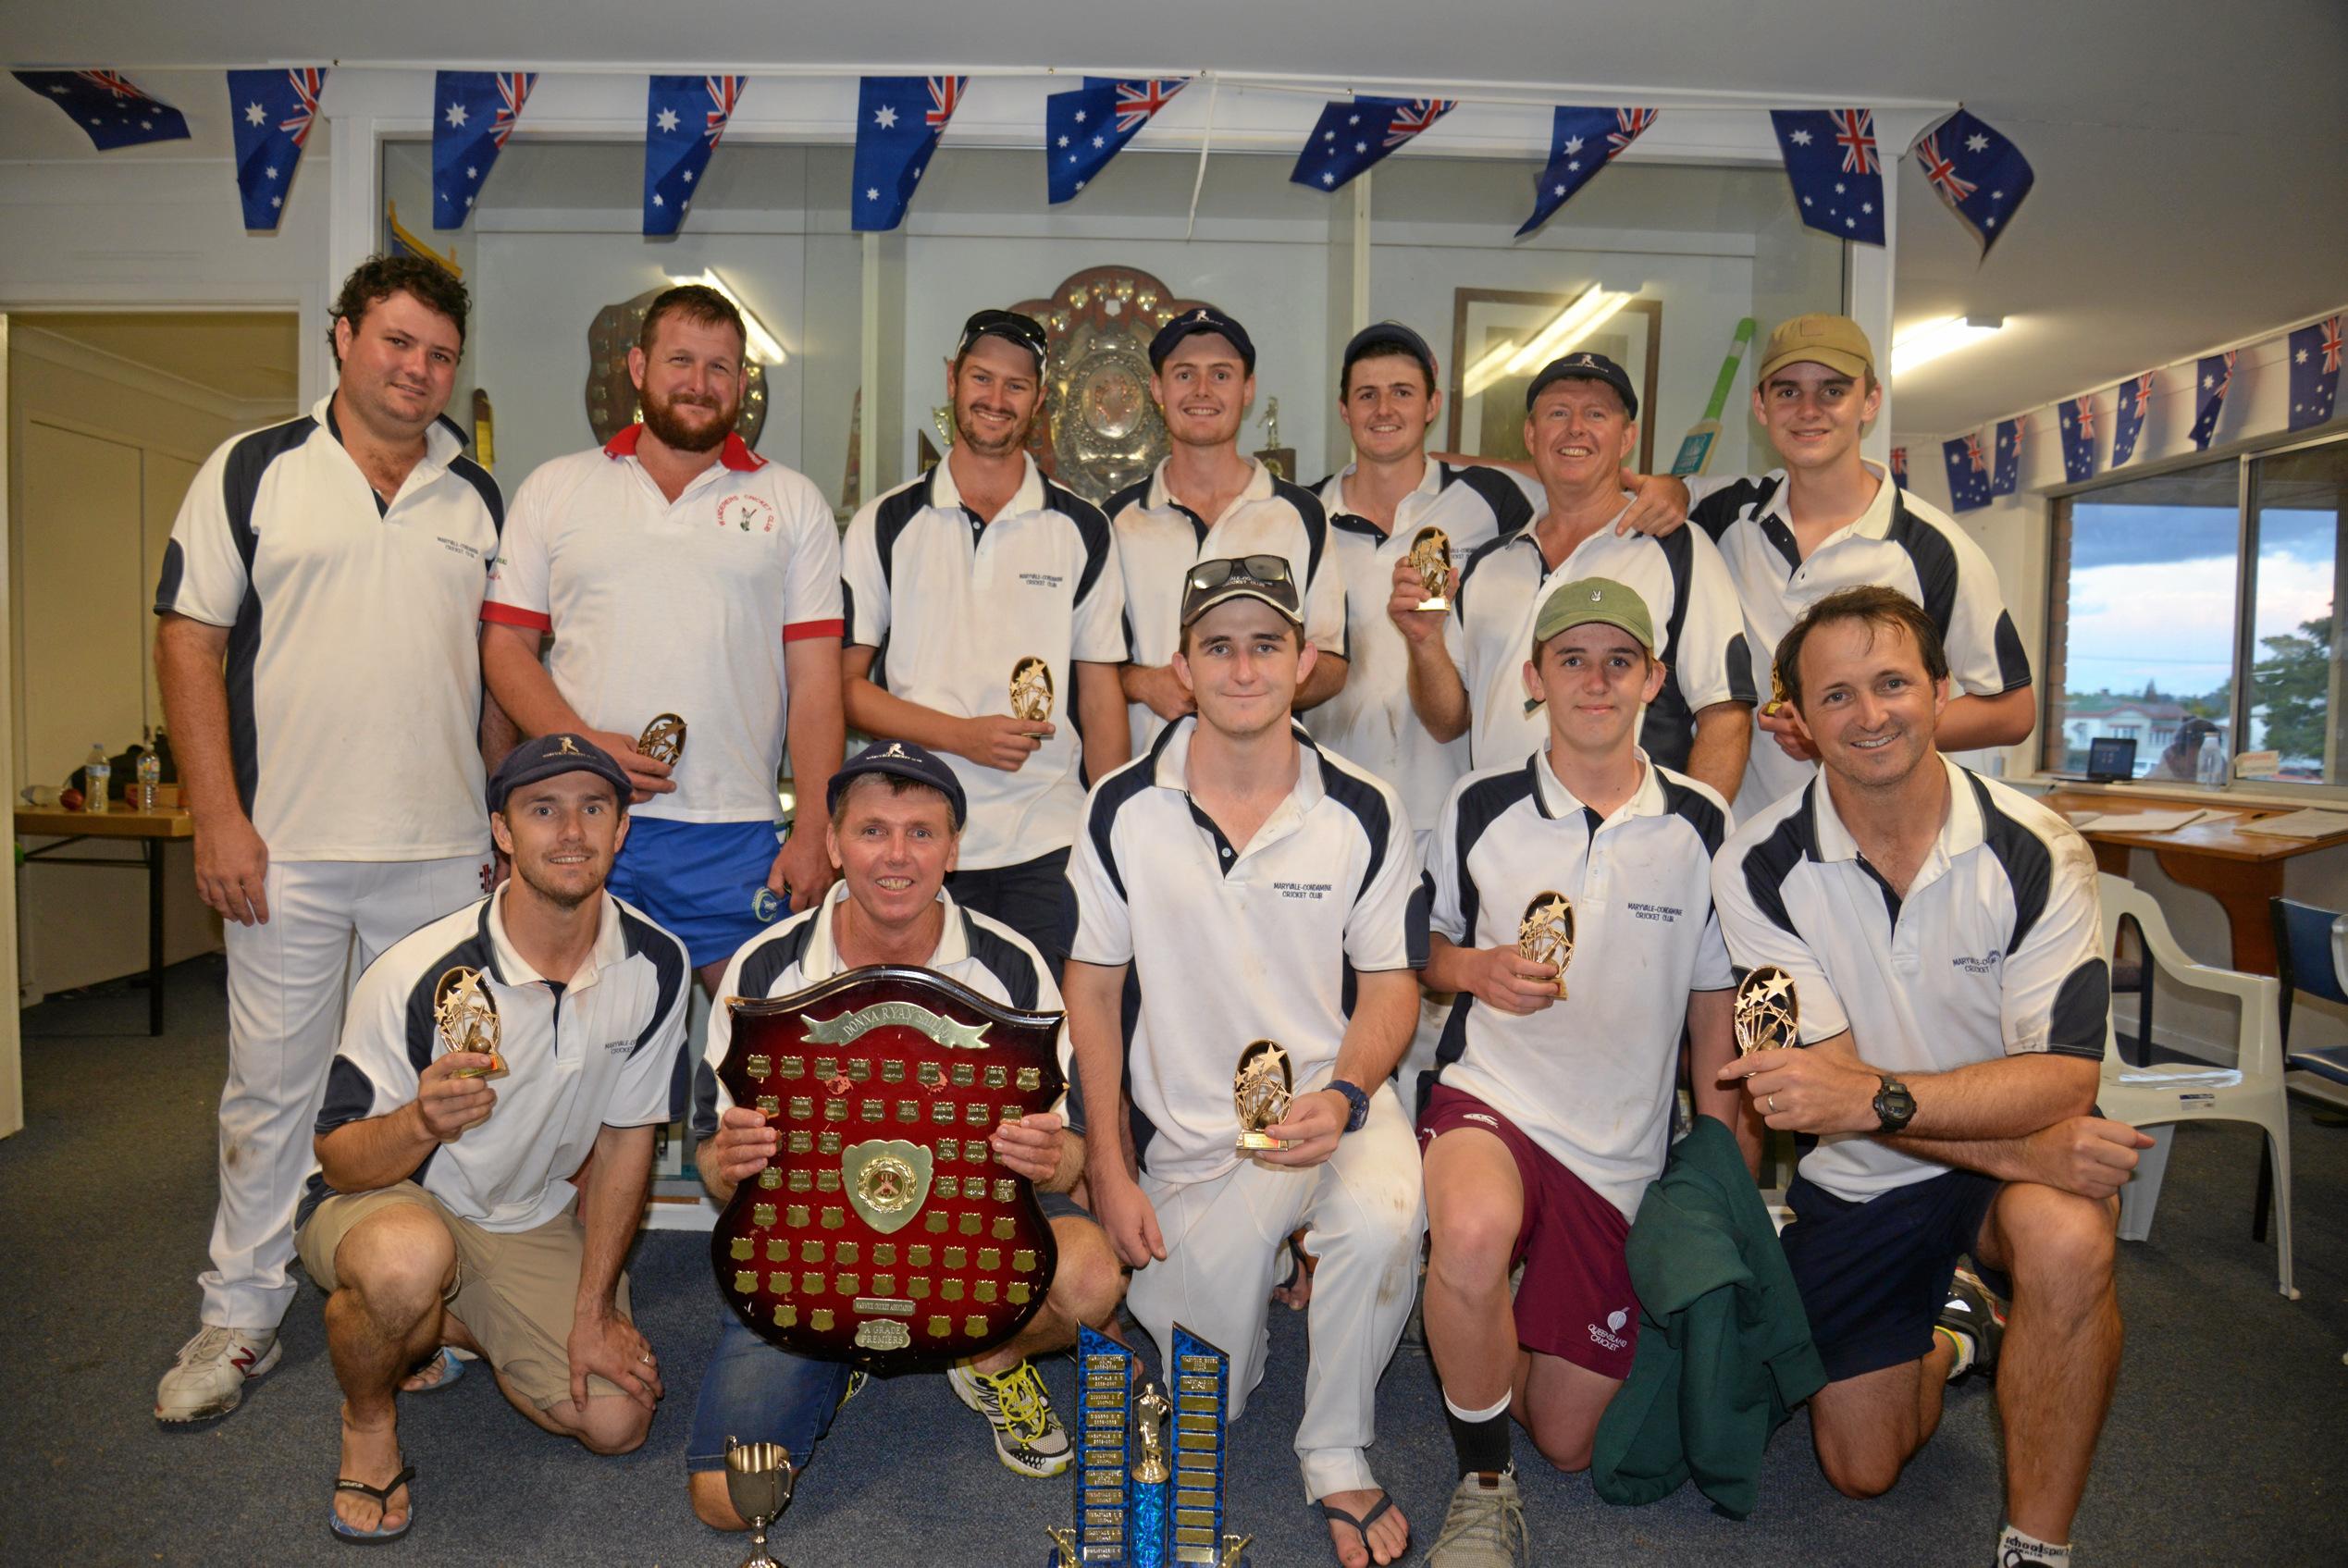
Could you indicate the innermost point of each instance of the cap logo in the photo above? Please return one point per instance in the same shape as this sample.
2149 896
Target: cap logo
896 749
1596 594
1584 358
1201 315
565 748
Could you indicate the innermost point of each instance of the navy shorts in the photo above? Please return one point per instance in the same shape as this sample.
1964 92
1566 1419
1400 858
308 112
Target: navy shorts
1874 1276
703 883
1032 898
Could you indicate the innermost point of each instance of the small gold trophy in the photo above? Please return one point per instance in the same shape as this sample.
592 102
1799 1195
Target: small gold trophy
1777 698
1261 1090
466 1017
1546 934
1150 1411
1768 1015
1430 557
1031 691
663 740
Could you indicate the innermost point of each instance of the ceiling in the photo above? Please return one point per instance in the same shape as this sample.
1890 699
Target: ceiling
2191 158
246 356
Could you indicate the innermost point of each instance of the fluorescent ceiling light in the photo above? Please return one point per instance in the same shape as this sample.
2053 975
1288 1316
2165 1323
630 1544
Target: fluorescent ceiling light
1588 311
1934 339
758 341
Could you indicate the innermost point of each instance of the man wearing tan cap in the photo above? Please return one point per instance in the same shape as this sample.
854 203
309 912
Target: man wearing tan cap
1827 520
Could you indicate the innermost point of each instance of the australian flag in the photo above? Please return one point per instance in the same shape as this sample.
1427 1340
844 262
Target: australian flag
1085 128
898 120
2135 402
1354 134
2077 419
2314 372
1968 474
1838 178
2005 470
1581 142
1980 175
273 112
1899 466
473 113
688 115
2212 381
109 110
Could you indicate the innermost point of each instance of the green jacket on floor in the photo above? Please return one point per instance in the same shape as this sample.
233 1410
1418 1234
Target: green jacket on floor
1724 1353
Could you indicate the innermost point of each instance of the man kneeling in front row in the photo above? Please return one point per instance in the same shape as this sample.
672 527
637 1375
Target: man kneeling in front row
442 1213
897 819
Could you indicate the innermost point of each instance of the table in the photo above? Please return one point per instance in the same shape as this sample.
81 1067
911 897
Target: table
2241 870
154 830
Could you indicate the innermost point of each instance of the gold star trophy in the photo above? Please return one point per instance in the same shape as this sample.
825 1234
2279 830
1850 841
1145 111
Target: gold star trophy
1546 934
465 1015
1430 557
663 740
1031 691
1261 1091
1768 1014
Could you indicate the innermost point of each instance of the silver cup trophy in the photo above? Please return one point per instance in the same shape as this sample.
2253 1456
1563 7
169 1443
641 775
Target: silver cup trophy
759 1478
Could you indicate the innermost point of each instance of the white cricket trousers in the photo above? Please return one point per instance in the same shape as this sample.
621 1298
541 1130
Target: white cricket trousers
288 980
1224 1244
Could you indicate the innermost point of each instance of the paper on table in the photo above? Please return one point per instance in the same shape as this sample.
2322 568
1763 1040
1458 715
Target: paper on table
2147 821
2300 824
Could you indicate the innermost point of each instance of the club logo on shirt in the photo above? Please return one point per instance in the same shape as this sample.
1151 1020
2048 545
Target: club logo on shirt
619 1045
458 546
1041 579
1316 891
746 512
1984 964
1663 912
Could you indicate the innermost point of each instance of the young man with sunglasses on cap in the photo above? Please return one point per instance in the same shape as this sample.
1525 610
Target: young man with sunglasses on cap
1581 425
1827 520
1206 502
898 816
986 623
1238 884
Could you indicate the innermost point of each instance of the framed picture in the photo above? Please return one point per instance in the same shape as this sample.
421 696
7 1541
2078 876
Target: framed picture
1491 423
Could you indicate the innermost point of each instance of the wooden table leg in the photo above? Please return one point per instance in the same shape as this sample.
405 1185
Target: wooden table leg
2242 889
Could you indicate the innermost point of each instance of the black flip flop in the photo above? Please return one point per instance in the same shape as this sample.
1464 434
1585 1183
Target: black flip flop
382 1495
1362 1525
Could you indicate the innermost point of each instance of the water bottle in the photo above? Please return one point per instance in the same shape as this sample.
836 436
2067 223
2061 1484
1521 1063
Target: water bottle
2210 768
97 779
150 778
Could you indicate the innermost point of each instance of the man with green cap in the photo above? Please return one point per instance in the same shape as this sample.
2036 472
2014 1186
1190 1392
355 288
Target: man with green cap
1573 915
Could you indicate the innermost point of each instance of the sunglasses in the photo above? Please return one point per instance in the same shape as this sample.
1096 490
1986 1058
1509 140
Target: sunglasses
1267 572
1025 330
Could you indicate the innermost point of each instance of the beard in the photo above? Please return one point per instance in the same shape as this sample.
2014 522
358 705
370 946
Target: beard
966 434
663 416
564 898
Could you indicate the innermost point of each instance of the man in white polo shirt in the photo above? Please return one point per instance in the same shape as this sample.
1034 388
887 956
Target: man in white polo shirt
681 572
1553 1100
443 1212
1940 938
897 817
1827 520
1581 423
320 673
986 623
1238 884
1205 501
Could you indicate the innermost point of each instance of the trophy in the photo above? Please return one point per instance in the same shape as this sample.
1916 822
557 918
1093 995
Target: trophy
466 1017
1148 1496
663 740
1768 1015
1031 691
1261 1090
1430 557
759 1478
1546 934
1777 697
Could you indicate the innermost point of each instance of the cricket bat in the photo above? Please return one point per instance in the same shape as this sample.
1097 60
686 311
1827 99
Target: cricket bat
1696 447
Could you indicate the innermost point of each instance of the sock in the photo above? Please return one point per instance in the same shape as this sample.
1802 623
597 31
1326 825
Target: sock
2016 1549
1480 1437
1963 1344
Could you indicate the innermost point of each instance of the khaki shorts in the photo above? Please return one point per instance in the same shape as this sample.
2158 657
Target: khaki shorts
517 1291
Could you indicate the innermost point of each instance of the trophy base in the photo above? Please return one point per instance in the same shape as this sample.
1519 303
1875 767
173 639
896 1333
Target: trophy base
1252 1143
495 1069
1437 604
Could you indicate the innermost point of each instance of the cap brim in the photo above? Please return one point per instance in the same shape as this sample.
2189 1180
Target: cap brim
1644 639
1842 362
1235 589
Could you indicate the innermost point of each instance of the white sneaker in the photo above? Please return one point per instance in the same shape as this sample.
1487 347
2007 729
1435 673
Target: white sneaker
209 1378
1484 1528
1029 1438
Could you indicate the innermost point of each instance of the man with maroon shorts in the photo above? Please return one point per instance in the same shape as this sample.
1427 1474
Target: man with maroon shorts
1550 1106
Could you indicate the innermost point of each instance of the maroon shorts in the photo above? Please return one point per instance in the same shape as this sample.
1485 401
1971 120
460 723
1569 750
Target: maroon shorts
1576 1300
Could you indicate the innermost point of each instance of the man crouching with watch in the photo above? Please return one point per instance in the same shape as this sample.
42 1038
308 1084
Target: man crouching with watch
1942 938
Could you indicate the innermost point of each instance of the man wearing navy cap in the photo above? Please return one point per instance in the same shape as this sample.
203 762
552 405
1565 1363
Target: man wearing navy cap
1206 502
443 1213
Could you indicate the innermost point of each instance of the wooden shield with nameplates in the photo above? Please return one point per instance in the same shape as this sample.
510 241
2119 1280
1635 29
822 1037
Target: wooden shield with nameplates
883 1232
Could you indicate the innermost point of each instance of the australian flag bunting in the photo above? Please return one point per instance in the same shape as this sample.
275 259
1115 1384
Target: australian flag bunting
2212 381
1976 172
1354 134
2135 402
109 109
1581 142
473 113
1899 466
686 116
2314 372
2005 469
1838 178
2077 419
1968 474
1086 127
898 120
274 112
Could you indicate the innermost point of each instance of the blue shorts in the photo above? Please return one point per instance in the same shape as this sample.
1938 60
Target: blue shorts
754 1392
705 882
1874 1276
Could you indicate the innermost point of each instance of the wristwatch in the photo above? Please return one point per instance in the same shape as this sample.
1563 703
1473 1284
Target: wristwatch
1895 1106
1356 1098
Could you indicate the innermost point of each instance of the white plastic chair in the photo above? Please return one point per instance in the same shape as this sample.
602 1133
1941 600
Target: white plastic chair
2156 1097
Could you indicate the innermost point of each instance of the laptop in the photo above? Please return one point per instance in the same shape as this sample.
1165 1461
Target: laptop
2110 759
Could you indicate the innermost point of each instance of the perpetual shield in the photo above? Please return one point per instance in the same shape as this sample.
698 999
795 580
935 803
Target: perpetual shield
883 1232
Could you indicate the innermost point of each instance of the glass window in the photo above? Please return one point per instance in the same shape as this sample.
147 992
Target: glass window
2296 501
